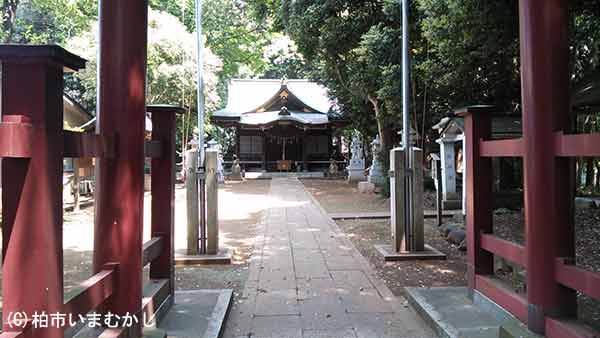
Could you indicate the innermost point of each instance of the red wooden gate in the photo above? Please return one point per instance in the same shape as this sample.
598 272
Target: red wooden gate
547 151
33 145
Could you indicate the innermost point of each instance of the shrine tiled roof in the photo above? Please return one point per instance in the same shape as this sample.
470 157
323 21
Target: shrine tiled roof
261 102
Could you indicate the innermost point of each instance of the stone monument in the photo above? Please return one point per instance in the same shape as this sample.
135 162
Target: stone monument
376 176
356 167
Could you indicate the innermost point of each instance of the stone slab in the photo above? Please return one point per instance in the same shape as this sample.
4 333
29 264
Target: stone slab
366 187
390 255
198 314
452 314
310 281
222 258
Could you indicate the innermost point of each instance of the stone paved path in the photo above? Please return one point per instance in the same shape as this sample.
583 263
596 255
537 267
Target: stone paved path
307 280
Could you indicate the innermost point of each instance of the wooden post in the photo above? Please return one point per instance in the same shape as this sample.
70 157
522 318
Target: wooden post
305 152
193 214
163 192
32 91
264 162
212 203
478 126
120 181
548 213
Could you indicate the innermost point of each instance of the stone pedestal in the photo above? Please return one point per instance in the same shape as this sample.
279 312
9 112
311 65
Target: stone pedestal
212 203
191 187
366 187
376 175
407 239
356 167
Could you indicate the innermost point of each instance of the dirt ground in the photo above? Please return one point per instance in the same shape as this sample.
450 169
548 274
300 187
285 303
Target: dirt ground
239 212
339 196
237 233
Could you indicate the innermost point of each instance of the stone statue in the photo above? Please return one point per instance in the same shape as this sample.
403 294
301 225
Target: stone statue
236 170
333 168
376 172
356 167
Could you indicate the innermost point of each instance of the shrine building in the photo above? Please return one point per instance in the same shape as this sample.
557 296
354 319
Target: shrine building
281 125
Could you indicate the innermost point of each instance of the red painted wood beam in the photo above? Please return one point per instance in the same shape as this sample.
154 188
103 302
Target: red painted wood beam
12 335
95 291
502 148
578 279
163 192
508 250
511 301
577 145
120 182
32 256
78 145
556 328
16 139
548 220
479 196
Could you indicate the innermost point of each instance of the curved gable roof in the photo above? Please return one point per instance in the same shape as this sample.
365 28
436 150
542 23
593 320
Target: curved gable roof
246 96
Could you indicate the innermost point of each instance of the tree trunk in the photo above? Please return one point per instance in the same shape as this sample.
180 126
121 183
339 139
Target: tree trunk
9 17
75 186
384 135
589 172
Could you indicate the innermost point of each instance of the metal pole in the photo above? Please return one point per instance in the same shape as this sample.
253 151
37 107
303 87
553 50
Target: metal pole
406 123
200 93
438 195
200 109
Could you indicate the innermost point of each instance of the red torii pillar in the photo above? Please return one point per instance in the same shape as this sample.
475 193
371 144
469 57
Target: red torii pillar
164 126
120 181
32 169
548 211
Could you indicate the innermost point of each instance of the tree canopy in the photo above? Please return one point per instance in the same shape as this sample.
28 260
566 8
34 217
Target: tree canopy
463 52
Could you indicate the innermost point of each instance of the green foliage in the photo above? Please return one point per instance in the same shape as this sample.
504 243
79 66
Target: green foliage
171 73
45 21
473 48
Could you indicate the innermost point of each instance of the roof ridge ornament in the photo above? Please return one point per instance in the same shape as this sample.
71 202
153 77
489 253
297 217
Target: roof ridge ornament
284 111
